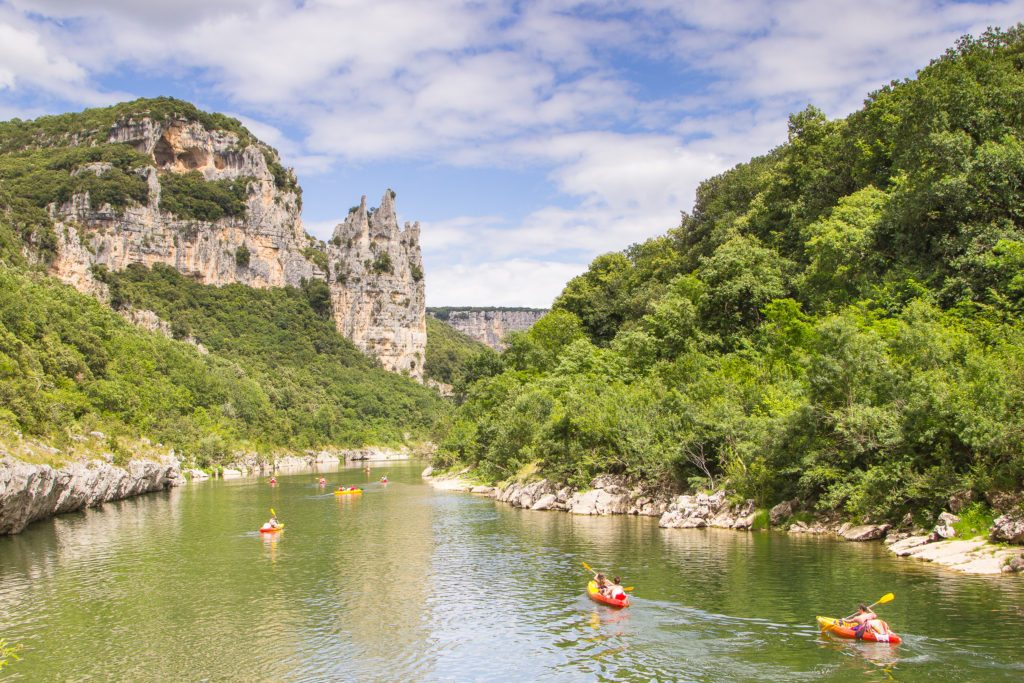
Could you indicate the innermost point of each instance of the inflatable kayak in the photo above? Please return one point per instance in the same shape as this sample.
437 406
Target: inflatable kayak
596 596
348 492
844 629
271 529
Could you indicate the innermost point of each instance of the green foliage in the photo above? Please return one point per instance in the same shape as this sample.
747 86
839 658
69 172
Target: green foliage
316 256
382 263
242 256
190 196
8 653
837 321
451 355
278 376
975 520
416 271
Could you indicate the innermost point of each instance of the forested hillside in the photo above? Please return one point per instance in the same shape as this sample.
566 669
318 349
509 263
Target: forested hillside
838 320
277 376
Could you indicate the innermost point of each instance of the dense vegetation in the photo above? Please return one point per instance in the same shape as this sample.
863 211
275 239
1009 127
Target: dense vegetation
192 197
277 376
837 321
452 355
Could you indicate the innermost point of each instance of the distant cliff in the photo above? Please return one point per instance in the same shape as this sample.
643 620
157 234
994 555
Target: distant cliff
160 182
488 325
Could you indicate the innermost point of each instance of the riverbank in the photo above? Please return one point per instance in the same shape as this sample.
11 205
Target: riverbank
610 495
255 465
30 492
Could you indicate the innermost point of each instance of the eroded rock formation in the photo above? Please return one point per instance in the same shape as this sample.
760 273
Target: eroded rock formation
377 289
32 492
270 230
374 269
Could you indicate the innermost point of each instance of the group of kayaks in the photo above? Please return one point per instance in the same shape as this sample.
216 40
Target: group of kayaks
341 491
842 628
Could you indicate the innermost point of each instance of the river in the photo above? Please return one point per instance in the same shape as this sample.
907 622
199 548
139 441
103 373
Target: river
409 583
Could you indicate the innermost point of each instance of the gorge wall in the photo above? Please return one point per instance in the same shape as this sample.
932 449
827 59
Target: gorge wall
374 269
488 325
377 290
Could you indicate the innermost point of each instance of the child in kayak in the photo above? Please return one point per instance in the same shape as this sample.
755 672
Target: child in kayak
866 620
323 482
615 589
271 523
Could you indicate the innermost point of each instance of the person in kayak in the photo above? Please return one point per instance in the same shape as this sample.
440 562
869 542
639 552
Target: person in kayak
615 589
323 482
866 620
603 585
271 523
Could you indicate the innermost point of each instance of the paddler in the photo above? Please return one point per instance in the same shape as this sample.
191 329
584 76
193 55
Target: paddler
323 482
866 619
271 523
615 589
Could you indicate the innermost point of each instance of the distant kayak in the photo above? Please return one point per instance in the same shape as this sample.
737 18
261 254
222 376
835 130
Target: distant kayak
596 596
271 529
844 629
348 492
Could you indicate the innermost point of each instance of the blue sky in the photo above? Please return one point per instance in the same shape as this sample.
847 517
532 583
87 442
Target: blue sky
526 137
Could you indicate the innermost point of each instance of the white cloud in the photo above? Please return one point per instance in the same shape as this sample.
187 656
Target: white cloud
513 282
544 86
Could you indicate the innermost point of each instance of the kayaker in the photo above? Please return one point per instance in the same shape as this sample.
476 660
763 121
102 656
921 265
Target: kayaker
323 482
615 589
866 619
271 523
602 584
273 481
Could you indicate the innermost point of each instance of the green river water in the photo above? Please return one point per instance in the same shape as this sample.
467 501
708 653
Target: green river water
408 583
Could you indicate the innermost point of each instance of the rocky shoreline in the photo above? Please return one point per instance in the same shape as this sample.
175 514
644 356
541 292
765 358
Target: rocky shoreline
610 495
253 465
29 493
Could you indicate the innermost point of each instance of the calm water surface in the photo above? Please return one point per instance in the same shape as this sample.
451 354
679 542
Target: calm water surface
406 583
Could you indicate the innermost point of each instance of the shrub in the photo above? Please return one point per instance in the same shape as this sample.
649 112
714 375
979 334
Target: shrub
242 256
191 196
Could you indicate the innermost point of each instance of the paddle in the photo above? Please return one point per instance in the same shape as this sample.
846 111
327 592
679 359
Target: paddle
888 597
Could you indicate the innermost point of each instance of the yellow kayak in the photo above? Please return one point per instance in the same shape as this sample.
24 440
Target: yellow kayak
348 492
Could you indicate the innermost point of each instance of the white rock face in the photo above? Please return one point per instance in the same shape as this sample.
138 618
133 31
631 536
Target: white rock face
33 492
377 290
376 278
271 229
490 326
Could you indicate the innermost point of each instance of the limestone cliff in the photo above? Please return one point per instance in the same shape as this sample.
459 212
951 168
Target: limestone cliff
489 326
377 289
269 231
160 182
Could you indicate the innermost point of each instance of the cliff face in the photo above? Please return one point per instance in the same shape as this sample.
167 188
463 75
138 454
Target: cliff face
377 290
216 204
270 228
490 326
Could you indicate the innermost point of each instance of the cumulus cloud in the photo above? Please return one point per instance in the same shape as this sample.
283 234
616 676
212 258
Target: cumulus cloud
622 107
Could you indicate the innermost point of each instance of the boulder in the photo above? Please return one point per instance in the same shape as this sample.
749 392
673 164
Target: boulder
1008 528
961 499
545 502
944 525
483 490
864 532
427 472
782 511
525 500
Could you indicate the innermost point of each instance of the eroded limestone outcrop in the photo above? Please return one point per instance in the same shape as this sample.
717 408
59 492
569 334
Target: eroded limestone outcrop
270 230
33 492
377 289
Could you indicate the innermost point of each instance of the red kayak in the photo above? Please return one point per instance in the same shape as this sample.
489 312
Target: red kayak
271 529
844 629
597 596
